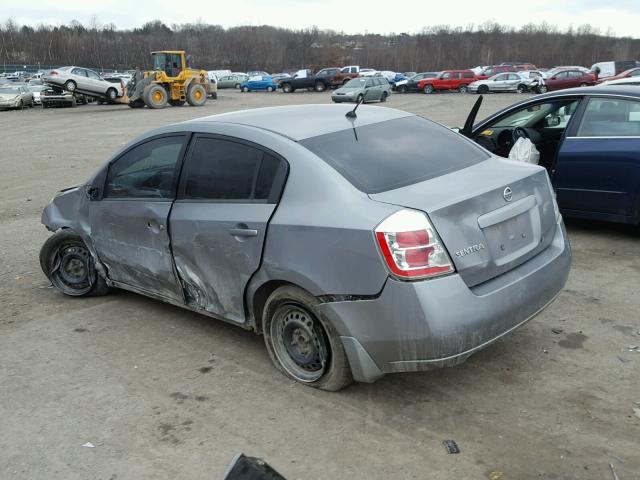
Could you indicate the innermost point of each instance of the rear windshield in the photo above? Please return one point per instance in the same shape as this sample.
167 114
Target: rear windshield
392 154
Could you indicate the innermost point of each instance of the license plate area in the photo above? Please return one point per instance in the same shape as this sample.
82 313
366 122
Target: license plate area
513 231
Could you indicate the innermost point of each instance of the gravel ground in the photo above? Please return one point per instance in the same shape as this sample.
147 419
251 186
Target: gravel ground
163 393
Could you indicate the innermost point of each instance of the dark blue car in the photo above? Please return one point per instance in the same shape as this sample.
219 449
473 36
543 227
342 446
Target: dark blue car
589 142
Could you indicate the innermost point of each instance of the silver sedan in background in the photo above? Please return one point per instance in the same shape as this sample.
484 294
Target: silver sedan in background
83 80
15 96
520 82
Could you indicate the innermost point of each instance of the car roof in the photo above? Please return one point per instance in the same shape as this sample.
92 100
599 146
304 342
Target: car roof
298 122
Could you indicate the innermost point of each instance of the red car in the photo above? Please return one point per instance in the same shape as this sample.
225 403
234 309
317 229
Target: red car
632 72
448 80
567 79
495 69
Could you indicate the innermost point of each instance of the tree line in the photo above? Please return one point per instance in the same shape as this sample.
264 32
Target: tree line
277 49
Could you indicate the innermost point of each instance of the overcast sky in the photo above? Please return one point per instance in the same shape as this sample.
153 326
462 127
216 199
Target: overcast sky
350 16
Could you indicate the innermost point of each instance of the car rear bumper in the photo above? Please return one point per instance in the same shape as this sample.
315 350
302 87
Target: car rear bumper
413 326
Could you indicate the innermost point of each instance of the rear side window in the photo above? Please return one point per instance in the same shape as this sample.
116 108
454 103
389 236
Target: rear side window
220 169
468 75
392 154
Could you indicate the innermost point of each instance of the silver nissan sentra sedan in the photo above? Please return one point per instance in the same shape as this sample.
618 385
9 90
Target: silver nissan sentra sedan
357 245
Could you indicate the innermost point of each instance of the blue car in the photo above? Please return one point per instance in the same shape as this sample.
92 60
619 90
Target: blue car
259 83
589 142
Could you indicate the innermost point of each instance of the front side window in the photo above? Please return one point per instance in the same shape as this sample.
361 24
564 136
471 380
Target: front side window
146 171
446 76
606 117
225 170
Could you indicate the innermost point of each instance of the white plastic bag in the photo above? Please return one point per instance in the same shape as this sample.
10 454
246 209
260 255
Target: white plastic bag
524 151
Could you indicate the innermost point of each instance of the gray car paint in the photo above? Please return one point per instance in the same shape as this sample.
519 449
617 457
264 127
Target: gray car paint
320 238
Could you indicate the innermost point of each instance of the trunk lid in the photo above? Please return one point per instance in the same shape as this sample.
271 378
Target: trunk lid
485 234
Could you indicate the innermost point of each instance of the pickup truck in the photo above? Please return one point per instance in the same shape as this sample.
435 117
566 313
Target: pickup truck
305 79
325 78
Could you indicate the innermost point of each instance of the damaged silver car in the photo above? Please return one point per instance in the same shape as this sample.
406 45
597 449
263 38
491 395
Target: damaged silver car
357 244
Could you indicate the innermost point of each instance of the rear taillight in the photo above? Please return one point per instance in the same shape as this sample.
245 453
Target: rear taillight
410 246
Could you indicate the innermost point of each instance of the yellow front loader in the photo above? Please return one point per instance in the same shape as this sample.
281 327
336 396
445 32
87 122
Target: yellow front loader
170 82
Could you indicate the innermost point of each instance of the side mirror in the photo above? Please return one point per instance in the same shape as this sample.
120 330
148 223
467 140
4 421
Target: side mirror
552 121
93 192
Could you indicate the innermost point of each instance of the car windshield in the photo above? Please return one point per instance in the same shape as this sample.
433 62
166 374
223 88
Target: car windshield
355 83
9 90
392 154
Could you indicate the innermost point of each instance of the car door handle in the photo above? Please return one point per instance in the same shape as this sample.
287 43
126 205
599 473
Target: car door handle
243 232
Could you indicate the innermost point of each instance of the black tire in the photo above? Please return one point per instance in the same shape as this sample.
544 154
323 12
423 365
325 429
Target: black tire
543 89
270 88
112 94
583 84
176 103
155 96
245 90
214 95
463 88
237 86
402 89
287 88
483 89
384 96
70 86
522 88
320 87
428 88
315 357
196 95
69 266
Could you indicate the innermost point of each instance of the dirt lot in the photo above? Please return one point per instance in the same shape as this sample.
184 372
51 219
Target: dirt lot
163 393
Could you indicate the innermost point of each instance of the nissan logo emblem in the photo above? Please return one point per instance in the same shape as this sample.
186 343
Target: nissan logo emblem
507 194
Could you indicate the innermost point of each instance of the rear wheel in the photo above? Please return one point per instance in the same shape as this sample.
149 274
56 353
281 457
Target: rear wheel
269 89
320 87
301 343
428 88
237 86
69 266
196 95
402 89
522 88
463 88
70 86
543 89
384 96
155 96
583 84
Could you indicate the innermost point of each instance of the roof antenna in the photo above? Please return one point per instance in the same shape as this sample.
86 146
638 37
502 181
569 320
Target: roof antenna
352 113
